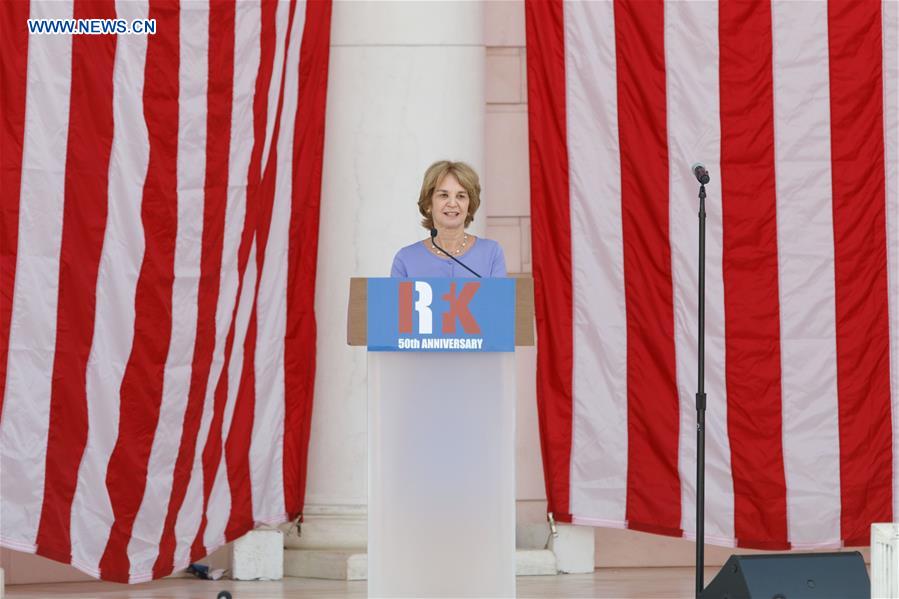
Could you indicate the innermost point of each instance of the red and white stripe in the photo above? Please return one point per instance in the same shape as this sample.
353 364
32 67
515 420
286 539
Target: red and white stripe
801 264
31 337
123 250
191 168
150 223
693 126
804 220
891 152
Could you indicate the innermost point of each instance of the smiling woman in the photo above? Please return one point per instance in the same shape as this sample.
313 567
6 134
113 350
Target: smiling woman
450 197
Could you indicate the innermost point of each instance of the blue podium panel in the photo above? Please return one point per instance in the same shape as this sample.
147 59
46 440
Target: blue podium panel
443 315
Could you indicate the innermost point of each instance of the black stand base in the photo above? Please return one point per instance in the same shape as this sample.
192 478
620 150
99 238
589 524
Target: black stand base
791 576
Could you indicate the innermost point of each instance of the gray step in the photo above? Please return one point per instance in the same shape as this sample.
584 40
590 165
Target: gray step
352 564
333 564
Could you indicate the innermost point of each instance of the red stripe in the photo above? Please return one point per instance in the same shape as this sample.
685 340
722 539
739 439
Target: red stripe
750 270
653 484
212 452
13 85
860 266
141 390
405 307
551 239
308 148
218 148
237 446
84 222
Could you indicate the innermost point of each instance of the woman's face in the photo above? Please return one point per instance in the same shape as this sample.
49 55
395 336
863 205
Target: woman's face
449 204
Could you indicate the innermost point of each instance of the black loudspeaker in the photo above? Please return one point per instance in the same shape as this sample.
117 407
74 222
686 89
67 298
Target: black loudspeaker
791 576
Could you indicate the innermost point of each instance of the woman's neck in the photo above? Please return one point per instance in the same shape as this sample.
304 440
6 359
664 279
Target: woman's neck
451 240
451 235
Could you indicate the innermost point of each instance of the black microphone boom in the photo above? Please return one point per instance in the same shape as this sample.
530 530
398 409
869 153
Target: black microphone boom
448 255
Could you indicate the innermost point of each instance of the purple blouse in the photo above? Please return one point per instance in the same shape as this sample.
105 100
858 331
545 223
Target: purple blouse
485 258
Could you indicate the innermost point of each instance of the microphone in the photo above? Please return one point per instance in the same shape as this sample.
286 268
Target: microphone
434 241
701 174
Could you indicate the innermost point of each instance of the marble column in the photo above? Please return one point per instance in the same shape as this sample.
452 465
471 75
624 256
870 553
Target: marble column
406 88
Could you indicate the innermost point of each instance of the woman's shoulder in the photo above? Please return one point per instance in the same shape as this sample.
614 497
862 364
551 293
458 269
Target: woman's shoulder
488 245
406 259
411 249
492 253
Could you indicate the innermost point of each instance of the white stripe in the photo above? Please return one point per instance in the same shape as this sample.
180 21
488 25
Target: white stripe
120 263
193 72
811 438
188 520
246 67
891 159
274 89
220 498
694 135
599 422
32 335
267 442
219 508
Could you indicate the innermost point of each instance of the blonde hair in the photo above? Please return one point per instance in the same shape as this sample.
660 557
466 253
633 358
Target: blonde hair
464 174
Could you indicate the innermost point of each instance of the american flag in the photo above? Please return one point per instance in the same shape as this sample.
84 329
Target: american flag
793 108
160 199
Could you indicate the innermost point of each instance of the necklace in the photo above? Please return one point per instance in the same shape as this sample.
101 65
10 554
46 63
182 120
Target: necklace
454 252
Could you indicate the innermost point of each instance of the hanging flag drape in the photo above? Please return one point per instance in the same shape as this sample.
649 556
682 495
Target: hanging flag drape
160 198
794 108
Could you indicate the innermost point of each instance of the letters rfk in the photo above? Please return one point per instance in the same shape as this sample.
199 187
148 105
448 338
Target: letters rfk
458 308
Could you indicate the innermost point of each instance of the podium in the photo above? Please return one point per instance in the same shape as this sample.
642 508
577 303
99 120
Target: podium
441 431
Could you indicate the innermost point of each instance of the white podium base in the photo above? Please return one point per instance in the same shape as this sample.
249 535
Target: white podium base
441 506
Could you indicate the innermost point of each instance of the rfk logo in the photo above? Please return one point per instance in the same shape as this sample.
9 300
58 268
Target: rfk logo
458 308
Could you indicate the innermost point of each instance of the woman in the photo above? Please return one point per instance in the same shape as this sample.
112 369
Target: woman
450 197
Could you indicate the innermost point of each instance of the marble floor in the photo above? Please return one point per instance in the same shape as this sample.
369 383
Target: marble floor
618 583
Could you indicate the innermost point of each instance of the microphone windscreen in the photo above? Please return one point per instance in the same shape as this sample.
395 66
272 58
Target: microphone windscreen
433 232
700 172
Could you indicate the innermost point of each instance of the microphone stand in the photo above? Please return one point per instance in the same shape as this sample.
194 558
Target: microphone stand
700 406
